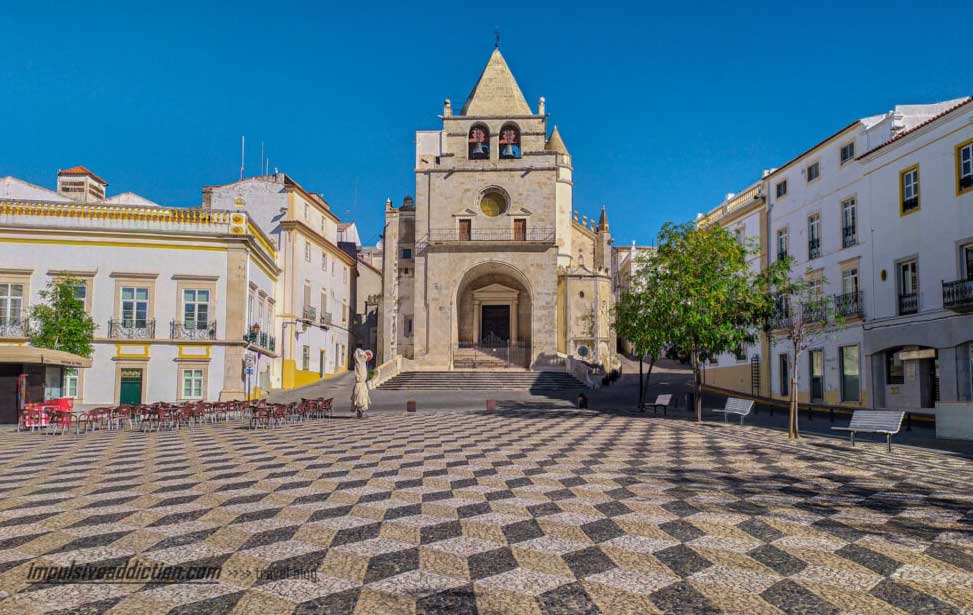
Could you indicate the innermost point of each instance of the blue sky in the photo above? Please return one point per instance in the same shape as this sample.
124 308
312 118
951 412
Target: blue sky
665 108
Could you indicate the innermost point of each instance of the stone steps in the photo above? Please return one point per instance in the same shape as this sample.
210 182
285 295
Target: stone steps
483 381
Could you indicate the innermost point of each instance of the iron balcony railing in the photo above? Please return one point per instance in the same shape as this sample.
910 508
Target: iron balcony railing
310 313
909 303
849 305
813 248
192 330
15 326
134 328
814 311
263 340
325 319
849 237
958 294
546 234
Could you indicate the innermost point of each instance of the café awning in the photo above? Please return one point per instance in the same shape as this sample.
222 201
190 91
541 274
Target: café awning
41 356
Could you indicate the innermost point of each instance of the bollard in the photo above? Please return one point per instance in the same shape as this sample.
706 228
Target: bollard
410 406
491 405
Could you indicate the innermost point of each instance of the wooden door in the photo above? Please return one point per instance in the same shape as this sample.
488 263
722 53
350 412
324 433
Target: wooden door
465 230
520 229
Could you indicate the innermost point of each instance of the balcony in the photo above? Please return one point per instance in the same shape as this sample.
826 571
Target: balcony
813 248
15 326
310 314
131 329
325 320
849 305
958 295
262 340
536 234
908 304
849 237
192 330
814 312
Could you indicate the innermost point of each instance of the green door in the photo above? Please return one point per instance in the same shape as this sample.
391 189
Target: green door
130 390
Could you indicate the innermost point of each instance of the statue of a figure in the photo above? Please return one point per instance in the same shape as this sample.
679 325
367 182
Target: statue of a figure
359 395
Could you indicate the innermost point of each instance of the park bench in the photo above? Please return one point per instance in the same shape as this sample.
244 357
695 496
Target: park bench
887 422
661 401
736 406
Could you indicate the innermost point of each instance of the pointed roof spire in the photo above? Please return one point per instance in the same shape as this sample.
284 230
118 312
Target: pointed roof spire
603 220
496 91
555 143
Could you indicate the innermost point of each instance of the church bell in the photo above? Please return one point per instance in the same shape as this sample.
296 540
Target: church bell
507 151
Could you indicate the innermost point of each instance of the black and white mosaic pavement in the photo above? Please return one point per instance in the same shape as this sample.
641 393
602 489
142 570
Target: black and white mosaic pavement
515 512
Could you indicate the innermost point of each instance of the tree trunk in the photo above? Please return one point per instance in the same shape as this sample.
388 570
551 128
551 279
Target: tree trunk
697 388
648 377
641 389
792 430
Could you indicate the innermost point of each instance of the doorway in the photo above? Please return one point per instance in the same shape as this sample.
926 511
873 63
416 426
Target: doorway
130 386
816 363
8 393
495 324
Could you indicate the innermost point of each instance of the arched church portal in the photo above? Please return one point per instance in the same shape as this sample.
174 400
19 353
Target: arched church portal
493 316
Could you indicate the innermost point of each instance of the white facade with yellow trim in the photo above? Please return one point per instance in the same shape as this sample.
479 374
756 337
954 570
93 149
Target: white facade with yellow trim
166 287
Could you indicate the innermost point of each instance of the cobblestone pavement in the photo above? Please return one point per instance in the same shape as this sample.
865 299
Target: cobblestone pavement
527 511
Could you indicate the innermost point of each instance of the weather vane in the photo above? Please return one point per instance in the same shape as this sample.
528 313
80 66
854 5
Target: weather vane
496 42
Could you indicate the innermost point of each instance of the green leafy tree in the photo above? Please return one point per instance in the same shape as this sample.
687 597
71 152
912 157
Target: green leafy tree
699 295
60 322
641 317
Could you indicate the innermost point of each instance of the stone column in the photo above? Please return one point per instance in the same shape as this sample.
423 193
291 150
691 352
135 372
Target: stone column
476 321
513 320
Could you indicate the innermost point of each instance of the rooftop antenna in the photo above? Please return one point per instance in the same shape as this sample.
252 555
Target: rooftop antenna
243 149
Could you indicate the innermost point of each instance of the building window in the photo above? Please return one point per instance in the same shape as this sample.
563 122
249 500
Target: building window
909 190
307 211
408 326
967 260
307 251
406 253
72 379
782 240
344 312
520 229
847 152
344 274
192 383
11 304
785 375
493 203
781 188
250 309
813 172
81 292
135 307
324 262
816 365
850 373
195 308
479 143
849 281
738 235
908 287
306 358
465 230
813 236
894 369
509 142
849 223
964 167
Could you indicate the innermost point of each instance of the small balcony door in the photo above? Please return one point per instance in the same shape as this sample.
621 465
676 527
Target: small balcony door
520 229
465 230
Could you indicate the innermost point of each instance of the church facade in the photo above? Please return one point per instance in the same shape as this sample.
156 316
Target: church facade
490 265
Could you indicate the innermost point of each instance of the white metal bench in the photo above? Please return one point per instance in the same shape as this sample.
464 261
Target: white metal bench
887 422
736 406
661 401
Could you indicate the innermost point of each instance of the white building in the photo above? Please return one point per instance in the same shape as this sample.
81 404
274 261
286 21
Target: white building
879 214
313 298
165 286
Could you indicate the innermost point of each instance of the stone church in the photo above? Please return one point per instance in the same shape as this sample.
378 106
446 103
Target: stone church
490 265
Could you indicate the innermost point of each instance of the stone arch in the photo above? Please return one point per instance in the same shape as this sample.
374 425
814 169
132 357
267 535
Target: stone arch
495 278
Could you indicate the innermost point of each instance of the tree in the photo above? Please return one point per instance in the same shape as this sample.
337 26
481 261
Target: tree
700 296
61 322
640 318
803 316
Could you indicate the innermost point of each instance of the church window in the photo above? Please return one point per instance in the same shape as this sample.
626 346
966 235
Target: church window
479 143
493 203
509 142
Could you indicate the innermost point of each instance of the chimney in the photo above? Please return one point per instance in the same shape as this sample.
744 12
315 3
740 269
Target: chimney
80 184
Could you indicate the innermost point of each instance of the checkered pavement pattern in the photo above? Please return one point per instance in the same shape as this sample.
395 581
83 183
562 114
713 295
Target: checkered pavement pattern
530 512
